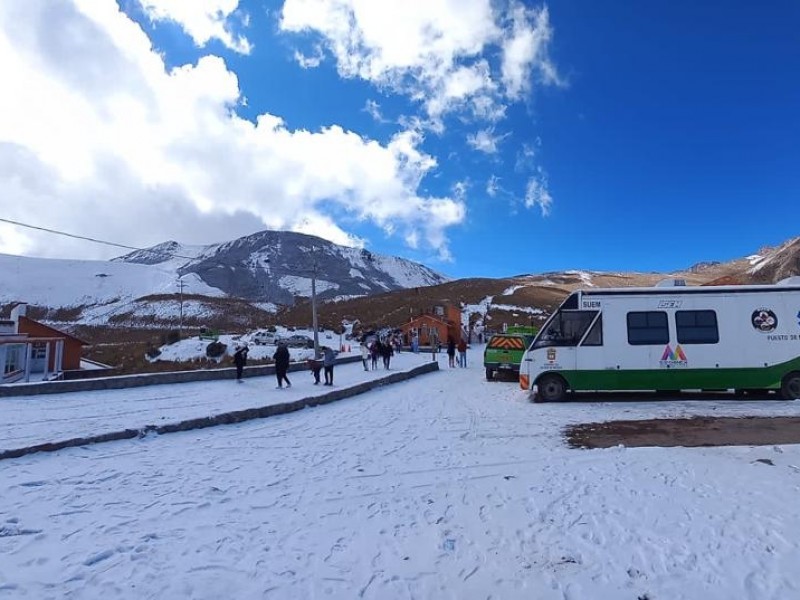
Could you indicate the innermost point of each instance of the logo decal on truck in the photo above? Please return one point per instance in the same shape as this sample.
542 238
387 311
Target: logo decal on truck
764 320
676 358
551 354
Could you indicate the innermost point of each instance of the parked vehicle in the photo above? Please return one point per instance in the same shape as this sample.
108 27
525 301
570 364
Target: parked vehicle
743 338
299 341
503 353
265 338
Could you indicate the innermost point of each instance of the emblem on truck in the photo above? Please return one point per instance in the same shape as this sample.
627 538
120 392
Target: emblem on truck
674 358
764 320
551 354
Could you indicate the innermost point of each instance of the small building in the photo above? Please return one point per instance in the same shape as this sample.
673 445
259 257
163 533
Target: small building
30 350
437 325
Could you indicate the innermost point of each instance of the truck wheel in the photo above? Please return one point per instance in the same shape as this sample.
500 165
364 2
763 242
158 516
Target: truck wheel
790 386
489 374
552 388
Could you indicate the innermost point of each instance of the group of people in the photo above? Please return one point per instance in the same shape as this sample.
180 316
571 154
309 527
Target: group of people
377 349
461 346
282 359
370 353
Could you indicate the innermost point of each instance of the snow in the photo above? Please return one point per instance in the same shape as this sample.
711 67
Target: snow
446 486
481 309
760 263
195 348
301 286
753 259
510 290
70 283
585 277
512 308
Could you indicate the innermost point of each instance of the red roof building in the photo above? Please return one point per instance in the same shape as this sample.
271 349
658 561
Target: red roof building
32 350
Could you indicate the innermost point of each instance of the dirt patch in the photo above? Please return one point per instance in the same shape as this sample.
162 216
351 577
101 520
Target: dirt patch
690 433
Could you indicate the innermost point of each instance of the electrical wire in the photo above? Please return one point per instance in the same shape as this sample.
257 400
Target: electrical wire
89 239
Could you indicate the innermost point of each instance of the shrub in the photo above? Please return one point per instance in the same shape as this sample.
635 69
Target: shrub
152 353
216 349
173 337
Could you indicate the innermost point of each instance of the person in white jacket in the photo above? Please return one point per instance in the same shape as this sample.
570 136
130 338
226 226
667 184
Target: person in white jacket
365 355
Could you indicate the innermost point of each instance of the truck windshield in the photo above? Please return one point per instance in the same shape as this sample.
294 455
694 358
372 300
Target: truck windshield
566 328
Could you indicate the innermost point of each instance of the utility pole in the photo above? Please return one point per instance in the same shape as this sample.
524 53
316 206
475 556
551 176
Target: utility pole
181 285
314 323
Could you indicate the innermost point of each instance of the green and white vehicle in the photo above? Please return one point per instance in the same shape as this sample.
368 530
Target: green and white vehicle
670 338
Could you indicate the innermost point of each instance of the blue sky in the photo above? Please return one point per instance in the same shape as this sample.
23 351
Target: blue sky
517 138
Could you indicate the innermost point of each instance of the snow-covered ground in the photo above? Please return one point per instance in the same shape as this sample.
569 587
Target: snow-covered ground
194 348
446 486
31 420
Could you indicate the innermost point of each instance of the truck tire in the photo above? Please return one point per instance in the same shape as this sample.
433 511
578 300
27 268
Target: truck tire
790 386
489 374
552 388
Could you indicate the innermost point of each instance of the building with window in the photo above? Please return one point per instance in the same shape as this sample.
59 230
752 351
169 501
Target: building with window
440 323
33 351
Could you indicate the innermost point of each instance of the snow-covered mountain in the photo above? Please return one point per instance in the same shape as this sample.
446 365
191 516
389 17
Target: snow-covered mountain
277 266
268 269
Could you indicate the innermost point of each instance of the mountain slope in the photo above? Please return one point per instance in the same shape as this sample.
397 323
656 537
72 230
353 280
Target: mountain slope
277 267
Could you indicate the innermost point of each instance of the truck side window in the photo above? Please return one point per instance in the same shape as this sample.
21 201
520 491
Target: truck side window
566 328
647 328
697 327
595 335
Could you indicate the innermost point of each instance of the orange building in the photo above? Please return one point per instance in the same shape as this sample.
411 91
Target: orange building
437 325
32 349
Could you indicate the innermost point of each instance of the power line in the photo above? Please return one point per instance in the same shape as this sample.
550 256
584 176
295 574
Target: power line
90 239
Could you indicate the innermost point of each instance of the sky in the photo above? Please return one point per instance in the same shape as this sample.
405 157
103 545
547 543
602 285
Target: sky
480 138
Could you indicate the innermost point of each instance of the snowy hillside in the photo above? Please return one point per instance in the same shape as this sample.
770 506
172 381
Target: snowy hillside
72 283
277 266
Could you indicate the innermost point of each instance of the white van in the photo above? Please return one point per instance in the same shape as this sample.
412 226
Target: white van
668 339
264 338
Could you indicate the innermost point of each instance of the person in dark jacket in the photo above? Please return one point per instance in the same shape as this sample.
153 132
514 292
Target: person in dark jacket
240 360
315 366
375 350
328 361
281 358
386 353
451 351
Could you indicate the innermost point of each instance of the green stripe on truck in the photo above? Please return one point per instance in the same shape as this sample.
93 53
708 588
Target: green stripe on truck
680 378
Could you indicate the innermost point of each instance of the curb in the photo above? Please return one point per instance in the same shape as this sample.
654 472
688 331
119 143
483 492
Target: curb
117 382
227 418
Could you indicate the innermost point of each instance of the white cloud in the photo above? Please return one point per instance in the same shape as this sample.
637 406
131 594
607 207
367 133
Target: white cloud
202 20
312 61
435 52
525 50
373 109
98 138
538 194
485 140
493 185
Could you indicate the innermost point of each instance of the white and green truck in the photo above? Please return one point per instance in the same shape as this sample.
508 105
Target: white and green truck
669 338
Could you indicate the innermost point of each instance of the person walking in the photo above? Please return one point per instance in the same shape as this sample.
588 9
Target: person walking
328 361
240 360
365 355
375 350
462 353
315 366
451 351
386 353
281 358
